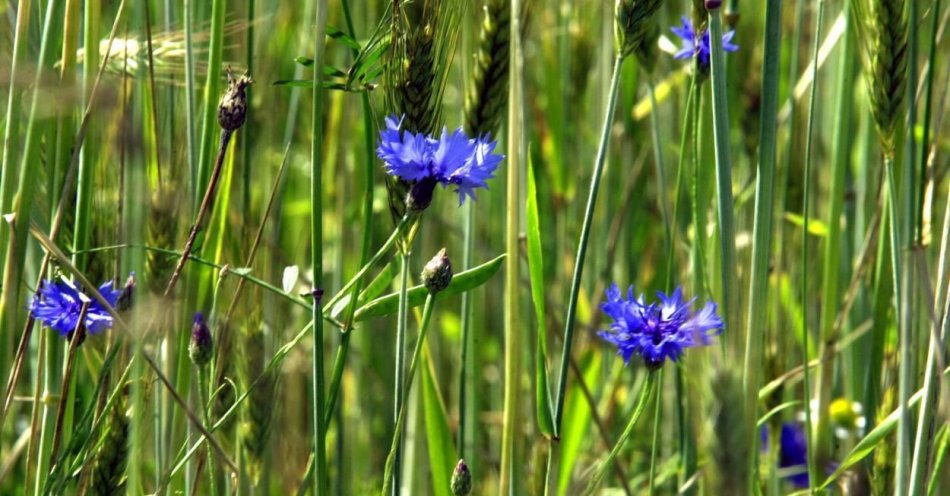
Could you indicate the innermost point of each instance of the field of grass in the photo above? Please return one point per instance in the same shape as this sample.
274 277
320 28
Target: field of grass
225 272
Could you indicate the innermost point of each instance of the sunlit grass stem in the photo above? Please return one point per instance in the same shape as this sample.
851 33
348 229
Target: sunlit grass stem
727 230
939 327
211 91
763 217
11 133
832 246
510 469
810 455
22 205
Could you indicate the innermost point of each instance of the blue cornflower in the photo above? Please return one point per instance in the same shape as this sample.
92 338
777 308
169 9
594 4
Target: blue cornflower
58 304
658 331
793 454
696 45
452 159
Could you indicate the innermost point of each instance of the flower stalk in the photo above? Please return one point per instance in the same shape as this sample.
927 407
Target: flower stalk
390 481
646 394
232 112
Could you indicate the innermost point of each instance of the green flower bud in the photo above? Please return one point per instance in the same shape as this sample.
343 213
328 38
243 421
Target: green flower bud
461 480
201 347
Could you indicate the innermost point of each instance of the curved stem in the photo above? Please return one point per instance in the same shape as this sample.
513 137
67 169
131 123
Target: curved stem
645 395
582 244
657 412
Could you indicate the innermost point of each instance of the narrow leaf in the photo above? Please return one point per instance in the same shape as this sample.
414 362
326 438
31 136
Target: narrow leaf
462 282
536 270
867 445
442 455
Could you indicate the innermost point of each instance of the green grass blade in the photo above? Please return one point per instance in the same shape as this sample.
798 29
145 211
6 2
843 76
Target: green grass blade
442 454
536 271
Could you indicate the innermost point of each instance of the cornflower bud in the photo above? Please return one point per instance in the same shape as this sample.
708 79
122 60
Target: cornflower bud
437 273
201 347
461 479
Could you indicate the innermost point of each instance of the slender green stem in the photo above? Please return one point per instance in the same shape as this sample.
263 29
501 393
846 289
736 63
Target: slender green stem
646 393
190 90
655 444
582 243
205 387
509 478
684 137
902 464
931 389
402 321
321 484
212 83
26 189
832 246
806 198
906 307
697 190
928 100
8 166
392 458
727 234
466 324
660 167
66 391
762 223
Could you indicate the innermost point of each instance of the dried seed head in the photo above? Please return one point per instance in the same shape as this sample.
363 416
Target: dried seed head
437 274
632 19
201 347
232 110
461 479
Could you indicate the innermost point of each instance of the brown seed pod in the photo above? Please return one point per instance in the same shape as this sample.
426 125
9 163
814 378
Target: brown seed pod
232 110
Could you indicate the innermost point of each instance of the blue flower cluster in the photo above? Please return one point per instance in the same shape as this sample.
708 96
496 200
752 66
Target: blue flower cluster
696 44
658 331
58 304
452 159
